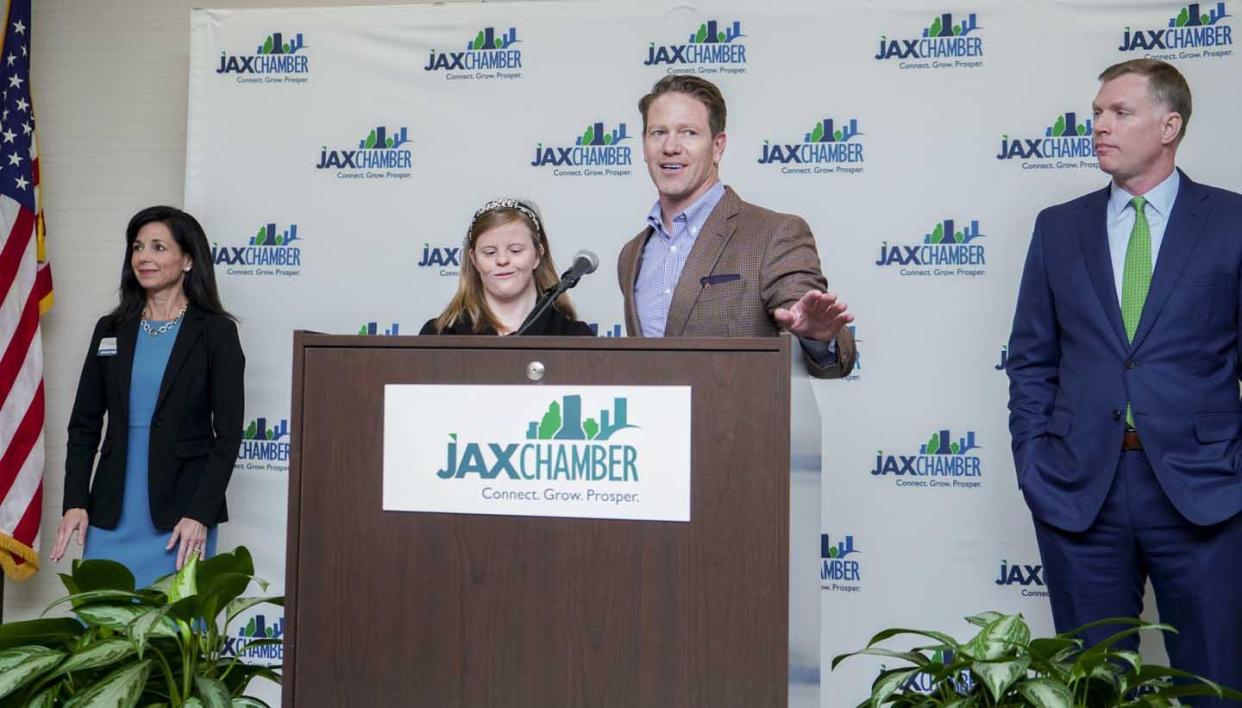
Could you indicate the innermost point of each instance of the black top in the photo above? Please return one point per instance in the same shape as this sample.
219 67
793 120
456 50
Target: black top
550 323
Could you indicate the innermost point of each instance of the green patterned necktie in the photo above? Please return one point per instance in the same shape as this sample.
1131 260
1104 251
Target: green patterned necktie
1136 277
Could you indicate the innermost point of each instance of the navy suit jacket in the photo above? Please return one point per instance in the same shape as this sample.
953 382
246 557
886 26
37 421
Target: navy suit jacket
1072 371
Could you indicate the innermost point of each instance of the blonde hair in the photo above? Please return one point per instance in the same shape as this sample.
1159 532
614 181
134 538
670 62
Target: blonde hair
469 301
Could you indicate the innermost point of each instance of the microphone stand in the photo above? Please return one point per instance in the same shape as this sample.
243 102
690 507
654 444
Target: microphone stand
566 282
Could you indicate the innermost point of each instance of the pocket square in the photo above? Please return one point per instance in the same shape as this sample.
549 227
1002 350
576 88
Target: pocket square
720 278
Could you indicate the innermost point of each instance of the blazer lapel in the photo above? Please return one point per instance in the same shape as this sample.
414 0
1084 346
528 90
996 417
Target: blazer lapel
632 322
1186 222
191 329
1093 237
126 342
717 231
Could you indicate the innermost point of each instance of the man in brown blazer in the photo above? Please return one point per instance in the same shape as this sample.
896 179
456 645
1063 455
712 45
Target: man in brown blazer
711 265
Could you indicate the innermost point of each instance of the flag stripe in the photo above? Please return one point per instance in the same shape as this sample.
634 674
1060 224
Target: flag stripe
14 250
15 353
27 530
23 442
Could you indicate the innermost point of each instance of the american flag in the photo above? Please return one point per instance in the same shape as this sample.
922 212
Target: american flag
25 294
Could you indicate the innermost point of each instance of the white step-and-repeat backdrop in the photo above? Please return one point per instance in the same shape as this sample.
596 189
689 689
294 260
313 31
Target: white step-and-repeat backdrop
336 155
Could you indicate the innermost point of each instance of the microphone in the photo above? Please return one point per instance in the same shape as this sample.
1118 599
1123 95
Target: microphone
585 263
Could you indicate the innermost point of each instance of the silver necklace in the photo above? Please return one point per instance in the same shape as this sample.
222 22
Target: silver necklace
157 331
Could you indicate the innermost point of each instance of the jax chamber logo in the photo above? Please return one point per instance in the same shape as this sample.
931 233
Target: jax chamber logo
1027 579
373 329
616 330
924 682
277 60
1065 145
259 641
269 252
489 56
825 150
944 252
596 152
382 154
265 445
443 260
1197 31
944 44
712 49
941 462
839 567
560 445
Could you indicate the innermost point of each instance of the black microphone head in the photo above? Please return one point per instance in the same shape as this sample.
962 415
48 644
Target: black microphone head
586 261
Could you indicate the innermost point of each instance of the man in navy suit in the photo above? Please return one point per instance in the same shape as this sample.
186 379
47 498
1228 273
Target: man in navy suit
1124 385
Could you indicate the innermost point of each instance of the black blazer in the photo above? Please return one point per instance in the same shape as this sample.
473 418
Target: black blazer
196 428
550 323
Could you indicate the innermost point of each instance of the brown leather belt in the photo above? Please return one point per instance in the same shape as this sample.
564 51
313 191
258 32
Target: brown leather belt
1130 441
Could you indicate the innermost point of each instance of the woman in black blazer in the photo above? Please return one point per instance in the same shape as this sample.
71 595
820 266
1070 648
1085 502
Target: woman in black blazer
508 264
166 366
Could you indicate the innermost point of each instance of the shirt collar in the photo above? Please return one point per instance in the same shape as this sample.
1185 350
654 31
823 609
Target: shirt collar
691 214
1160 198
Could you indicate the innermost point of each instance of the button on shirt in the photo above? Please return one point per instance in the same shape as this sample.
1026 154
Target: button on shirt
1121 222
664 257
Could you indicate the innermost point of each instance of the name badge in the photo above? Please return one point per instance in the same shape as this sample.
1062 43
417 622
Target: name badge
107 346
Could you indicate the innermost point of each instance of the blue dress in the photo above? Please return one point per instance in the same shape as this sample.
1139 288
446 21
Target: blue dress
135 541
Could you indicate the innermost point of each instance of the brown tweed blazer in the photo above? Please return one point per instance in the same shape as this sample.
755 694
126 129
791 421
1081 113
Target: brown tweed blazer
774 255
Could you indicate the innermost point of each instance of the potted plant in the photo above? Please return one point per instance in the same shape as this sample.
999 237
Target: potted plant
1003 666
157 646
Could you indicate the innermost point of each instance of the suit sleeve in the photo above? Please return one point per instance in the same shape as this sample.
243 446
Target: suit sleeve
226 370
790 270
1034 353
85 424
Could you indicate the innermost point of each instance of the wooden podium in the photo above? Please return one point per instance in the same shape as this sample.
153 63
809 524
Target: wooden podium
423 609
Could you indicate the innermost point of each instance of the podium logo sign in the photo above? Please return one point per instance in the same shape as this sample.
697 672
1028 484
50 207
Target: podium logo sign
603 452
941 462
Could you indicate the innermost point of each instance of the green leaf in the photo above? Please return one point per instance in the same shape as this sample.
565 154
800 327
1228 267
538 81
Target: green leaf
241 604
99 574
1133 658
249 702
983 619
120 689
94 656
94 596
184 583
152 623
192 702
1042 693
998 676
110 616
1053 648
999 638
912 657
45 698
21 665
888 683
57 631
212 693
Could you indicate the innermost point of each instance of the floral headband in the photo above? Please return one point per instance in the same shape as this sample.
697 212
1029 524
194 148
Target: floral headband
507 204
